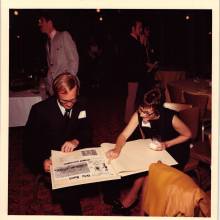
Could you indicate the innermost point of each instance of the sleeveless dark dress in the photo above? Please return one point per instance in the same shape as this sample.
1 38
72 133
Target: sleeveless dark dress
163 128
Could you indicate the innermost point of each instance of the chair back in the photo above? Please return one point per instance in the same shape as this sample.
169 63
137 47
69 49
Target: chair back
175 93
170 75
188 114
195 100
166 76
169 192
190 117
176 106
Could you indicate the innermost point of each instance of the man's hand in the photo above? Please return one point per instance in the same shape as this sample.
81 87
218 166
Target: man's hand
47 164
70 146
152 66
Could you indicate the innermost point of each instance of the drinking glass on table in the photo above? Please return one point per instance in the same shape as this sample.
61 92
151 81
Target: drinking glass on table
156 143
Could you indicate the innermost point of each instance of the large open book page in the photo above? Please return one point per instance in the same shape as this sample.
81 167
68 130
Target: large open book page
80 167
90 165
136 156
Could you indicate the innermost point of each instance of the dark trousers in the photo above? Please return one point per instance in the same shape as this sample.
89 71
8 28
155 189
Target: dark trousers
111 190
69 200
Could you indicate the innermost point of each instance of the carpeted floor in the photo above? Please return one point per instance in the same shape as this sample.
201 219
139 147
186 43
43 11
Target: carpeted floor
106 112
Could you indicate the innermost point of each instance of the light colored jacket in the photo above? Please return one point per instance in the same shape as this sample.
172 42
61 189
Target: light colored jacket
62 56
170 192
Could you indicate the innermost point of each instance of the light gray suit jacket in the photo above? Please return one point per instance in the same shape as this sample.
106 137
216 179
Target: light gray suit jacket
62 56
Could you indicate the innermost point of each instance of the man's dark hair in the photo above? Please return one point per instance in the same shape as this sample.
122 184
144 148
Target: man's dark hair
133 22
50 15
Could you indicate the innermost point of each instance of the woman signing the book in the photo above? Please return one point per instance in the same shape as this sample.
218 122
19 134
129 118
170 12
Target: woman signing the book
155 122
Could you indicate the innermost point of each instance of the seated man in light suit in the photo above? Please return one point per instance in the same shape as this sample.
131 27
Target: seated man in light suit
58 123
62 55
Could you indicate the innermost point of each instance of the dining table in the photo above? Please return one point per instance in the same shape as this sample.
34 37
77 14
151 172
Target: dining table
20 103
195 86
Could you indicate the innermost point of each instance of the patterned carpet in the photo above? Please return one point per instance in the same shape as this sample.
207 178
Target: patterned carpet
106 112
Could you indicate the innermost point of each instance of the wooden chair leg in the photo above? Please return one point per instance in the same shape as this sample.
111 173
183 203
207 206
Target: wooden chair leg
198 176
203 133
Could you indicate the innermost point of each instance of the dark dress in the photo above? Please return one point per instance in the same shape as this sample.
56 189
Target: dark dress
163 128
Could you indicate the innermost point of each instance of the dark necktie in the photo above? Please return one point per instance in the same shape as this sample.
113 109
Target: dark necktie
67 114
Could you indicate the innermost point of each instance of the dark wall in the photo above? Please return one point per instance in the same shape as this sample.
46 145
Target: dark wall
180 43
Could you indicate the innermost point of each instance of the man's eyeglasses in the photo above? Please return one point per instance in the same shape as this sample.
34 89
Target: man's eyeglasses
72 101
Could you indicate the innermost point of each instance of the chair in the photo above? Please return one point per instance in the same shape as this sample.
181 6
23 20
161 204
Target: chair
169 192
199 151
170 75
200 101
176 106
189 115
175 93
166 76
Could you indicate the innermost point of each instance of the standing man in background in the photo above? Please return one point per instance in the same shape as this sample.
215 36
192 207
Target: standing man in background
151 62
151 58
62 55
133 66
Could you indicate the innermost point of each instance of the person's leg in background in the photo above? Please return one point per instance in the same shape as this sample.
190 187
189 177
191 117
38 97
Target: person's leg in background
142 212
130 101
131 198
132 195
69 200
111 191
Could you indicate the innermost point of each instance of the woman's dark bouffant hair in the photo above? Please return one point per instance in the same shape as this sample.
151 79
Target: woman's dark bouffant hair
153 98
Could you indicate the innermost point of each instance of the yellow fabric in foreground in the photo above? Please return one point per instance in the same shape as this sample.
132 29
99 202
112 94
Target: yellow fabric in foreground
169 192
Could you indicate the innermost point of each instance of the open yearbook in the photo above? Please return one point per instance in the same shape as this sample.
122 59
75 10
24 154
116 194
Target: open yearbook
90 165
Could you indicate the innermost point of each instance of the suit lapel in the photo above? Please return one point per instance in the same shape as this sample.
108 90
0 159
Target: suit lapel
56 40
54 44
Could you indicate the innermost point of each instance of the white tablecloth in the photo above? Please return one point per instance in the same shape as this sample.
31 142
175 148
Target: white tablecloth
19 106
